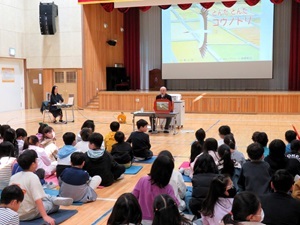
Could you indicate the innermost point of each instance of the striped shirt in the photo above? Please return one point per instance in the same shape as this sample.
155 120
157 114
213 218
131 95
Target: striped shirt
8 217
5 170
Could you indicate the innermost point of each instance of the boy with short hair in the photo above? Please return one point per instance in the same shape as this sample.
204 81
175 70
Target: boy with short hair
64 153
76 183
21 136
290 135
223 131
140 141
122 151
256 173
100 162
83 145
11 198
36 203
279 207
109 139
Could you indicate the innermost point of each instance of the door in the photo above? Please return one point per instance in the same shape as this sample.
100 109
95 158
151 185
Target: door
34 88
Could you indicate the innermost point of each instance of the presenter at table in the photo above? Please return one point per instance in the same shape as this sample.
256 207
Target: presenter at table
55 99
163 95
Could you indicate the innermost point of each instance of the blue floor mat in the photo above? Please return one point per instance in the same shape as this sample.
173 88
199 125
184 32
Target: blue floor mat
60 216
133 169
147 161
186 178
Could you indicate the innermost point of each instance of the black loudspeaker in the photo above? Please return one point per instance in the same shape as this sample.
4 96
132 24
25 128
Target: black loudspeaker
48 12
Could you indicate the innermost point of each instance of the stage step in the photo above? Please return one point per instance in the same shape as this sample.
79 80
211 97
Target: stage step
94 104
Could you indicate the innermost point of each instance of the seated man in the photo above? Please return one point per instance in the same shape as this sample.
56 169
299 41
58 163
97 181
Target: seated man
163 95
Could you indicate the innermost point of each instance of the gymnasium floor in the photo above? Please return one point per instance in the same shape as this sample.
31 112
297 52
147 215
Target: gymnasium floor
242 125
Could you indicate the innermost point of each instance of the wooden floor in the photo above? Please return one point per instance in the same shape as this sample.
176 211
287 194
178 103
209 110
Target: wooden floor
242 125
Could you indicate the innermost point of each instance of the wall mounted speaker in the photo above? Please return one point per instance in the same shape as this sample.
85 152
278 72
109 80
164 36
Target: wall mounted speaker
48 12
112 42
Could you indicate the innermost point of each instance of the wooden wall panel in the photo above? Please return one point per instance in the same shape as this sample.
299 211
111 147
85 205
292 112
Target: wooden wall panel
97 54
47 81
214 102
79 88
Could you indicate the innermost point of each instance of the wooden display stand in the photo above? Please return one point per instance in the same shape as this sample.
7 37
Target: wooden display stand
155 80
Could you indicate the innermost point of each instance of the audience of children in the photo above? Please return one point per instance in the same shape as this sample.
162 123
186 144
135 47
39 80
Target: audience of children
256 173
126 210
140 141
76 183
177 182
277 159
21 137
205 170
197 146
36 203
122 151
48 143
43 160
6 163
290 136
218 201
11 198
83 145
166 212
65 152
280 207
236 155
246 210
159 194
100 162
157 182
109 139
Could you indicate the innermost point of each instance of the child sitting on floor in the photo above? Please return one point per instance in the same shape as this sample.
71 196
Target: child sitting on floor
122 151
109 139
76 183
64 153
83 145
140 141
100 162
11 198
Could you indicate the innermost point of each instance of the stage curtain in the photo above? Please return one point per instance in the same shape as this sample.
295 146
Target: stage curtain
144 8
108 7
164 6
184 6
207 5
294 72
123 10
229 4
252 2
132 46
276 1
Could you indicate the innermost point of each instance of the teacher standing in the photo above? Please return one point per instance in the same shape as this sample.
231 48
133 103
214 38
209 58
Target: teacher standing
55 99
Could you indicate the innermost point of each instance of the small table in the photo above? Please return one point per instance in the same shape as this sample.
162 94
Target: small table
154 115
65 107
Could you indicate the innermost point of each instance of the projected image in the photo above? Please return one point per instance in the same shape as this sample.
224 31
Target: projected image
237 34
162 106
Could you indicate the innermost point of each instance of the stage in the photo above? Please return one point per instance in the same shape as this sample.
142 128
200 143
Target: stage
206 102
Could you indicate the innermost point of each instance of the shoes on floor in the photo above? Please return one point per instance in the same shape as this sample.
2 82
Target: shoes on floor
121 177
166 131
138 158
61 121
62 201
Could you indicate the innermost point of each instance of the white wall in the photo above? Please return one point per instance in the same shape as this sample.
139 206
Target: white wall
62 50
12 93
12 27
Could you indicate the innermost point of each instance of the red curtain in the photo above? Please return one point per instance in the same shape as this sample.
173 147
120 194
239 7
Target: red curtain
164 6
276 1
108 7
132 46
229 4
294 73
184 6
123 10
207 5
145 8
252 2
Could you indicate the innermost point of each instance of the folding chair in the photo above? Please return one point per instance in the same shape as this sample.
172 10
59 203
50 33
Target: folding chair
45 110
